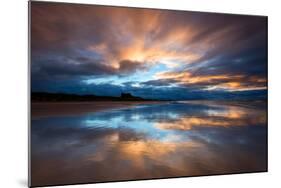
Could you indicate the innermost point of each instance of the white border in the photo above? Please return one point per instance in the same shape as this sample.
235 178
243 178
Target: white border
14 92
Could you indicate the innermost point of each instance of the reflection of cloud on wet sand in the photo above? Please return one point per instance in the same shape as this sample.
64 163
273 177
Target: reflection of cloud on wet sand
230 116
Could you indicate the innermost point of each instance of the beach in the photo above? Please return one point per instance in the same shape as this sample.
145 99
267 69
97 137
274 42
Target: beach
114 141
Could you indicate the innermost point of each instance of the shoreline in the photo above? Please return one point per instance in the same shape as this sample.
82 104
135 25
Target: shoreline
55 109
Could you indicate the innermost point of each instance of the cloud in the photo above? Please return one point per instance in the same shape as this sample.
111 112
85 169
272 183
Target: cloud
159 82
83 67
127 66
219 81
197 50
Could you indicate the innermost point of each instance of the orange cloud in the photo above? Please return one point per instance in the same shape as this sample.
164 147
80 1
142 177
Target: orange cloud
220 81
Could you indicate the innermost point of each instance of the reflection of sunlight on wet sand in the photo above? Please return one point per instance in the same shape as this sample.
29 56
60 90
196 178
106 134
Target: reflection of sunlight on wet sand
153 148
141 151
158 151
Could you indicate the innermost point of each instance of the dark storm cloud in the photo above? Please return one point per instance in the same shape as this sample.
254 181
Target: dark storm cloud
81 67
249 63
241 49
159 82
127 66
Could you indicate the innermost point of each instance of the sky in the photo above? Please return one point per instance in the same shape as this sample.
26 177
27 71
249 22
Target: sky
157 54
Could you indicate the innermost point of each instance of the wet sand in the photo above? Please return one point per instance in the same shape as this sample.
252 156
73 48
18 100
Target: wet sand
145 140
50 109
